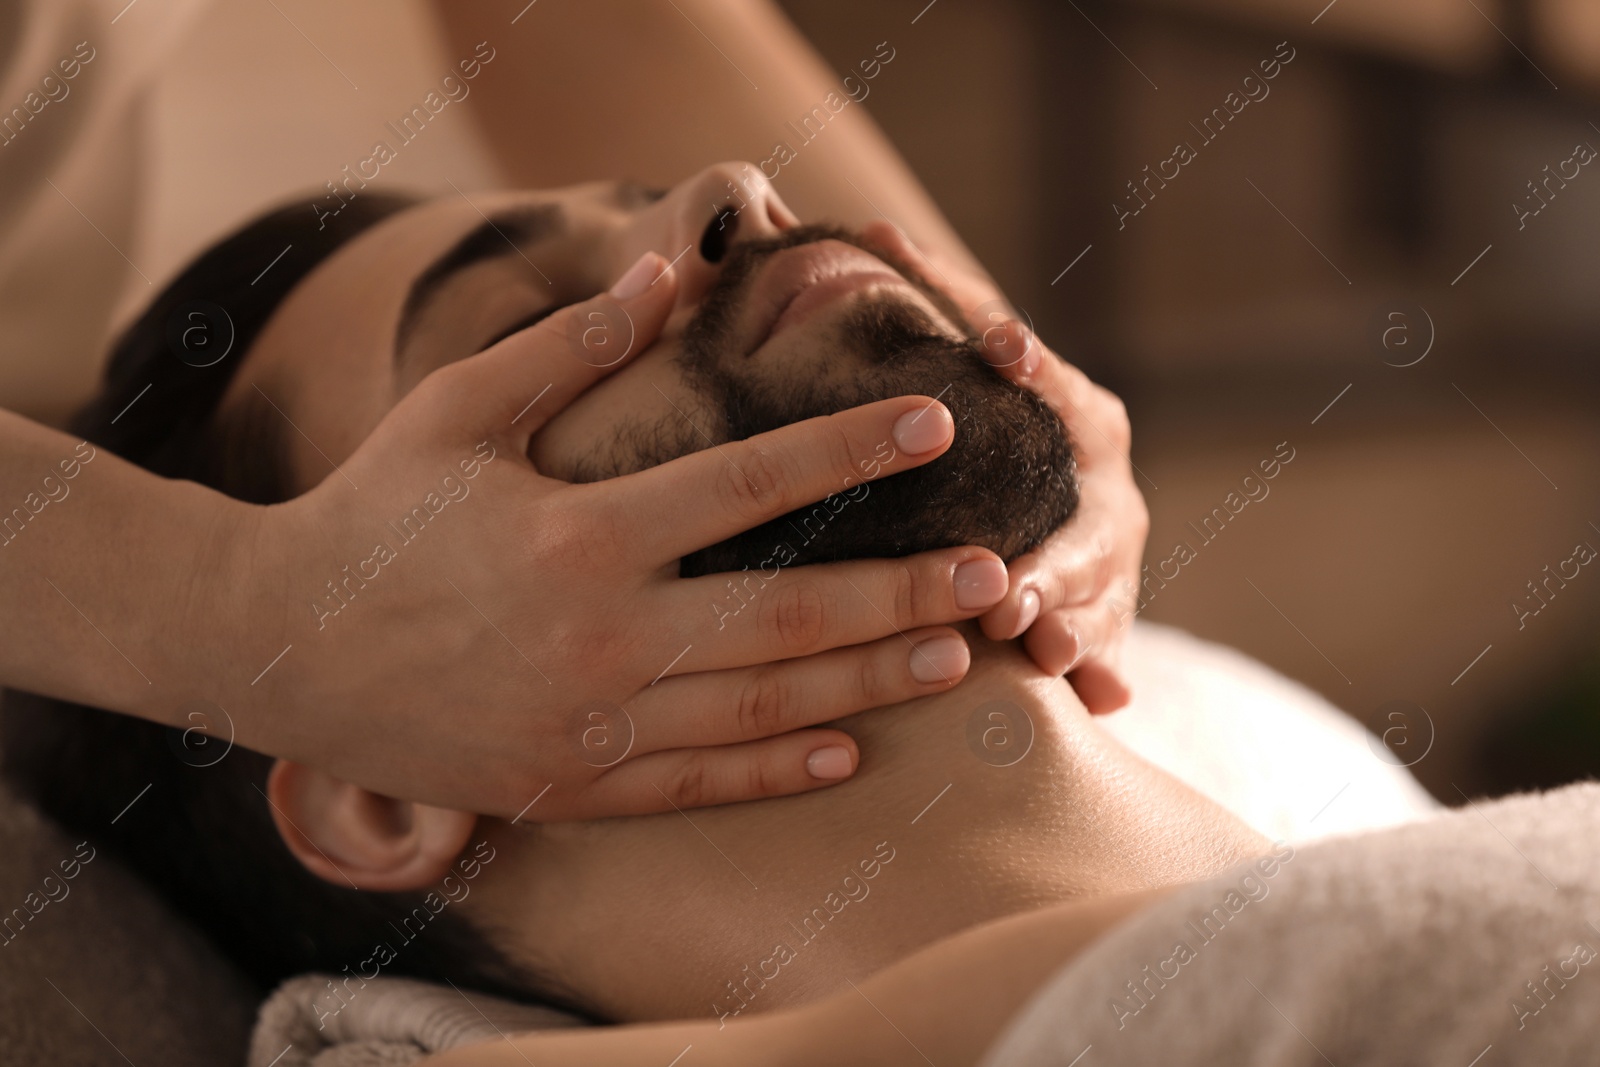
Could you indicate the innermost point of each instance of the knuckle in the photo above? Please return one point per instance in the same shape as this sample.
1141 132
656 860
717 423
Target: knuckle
756 485
764 703
591 538
762 778
690 784
448 378
911 599
1118 426
872 684
839 451
1110 573
441 390
1139 516
797 618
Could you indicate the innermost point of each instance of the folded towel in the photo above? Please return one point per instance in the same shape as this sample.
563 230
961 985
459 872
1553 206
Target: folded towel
385 1022
1437 942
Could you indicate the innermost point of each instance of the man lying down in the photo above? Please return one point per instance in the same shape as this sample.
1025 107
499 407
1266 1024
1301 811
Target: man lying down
734 911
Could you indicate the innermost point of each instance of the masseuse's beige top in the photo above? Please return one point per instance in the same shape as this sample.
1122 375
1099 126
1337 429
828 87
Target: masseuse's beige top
190 117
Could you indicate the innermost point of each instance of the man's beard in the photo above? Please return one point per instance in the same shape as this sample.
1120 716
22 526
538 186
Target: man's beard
1007 481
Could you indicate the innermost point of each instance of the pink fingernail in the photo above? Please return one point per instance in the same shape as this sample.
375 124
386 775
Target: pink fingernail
831 763
1030 612
980 583
924 429
1030 358
939 659
638 277
1073 649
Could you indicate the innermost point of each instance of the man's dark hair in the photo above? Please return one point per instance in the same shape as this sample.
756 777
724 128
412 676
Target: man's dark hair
203 835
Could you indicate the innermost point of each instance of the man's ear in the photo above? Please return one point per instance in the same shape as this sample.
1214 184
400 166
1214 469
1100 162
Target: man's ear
352 837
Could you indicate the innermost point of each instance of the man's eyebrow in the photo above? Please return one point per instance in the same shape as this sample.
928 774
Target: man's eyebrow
499 235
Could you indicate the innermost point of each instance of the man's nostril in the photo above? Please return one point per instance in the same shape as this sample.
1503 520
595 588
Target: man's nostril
714 243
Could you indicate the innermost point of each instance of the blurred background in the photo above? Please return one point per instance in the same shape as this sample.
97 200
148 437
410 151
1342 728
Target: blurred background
1315 246
1380 262
1382 259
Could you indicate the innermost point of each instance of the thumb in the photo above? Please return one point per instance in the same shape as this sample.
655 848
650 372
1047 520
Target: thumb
1070 569
515 387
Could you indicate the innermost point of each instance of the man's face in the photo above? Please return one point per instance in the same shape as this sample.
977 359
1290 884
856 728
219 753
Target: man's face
765 308
770 326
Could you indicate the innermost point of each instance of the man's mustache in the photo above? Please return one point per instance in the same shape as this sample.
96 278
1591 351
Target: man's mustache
707 329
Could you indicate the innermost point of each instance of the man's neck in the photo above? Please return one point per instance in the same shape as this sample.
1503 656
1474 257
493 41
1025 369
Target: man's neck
994 797
991 798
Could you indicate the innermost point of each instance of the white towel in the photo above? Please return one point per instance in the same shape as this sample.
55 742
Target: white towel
1265 747
1472 938
387 1022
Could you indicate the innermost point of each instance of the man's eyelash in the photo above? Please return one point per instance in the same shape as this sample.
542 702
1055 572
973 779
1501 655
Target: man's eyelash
522 324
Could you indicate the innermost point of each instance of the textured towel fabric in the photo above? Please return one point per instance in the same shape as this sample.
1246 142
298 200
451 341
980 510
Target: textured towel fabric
95 971
1428 943
385 1022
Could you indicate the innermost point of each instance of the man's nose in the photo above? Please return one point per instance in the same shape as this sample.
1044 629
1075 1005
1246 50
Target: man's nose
695 224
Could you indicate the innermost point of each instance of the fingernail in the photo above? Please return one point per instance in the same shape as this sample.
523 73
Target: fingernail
1071 647
1030 612
939 659
980 583
1030 356
829 763
994 347
638 277
924 429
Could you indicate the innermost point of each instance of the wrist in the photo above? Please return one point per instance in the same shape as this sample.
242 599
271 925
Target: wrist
219 611
238 616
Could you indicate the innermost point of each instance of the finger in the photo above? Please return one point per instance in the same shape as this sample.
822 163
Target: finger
1087 647
517 385
1006 344
1018 353
1012 349
746 704
1072 568
1054 643
1102 688
697 500
1095 417
968 289
1100 545
757 616
723 774
891 243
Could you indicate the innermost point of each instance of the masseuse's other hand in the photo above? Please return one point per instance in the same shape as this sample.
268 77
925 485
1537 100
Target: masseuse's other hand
1070 599
533 651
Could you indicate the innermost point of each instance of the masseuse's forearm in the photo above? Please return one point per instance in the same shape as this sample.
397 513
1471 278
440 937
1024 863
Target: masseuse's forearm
99 562
656 91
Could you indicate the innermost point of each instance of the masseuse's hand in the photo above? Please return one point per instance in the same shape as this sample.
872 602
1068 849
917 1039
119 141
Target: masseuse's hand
533 651
1072 598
